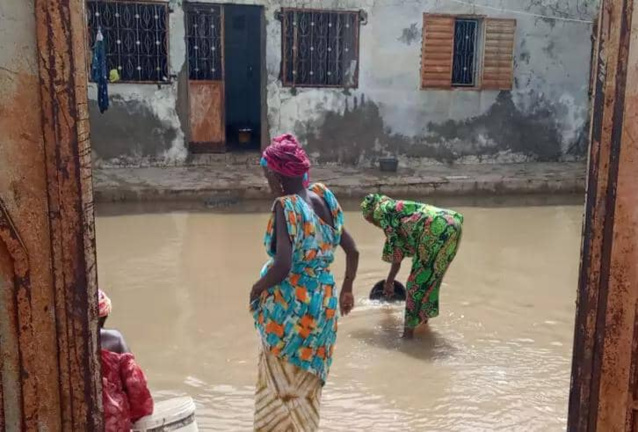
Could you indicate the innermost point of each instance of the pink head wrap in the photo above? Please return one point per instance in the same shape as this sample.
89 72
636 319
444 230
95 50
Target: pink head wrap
104 304
285 156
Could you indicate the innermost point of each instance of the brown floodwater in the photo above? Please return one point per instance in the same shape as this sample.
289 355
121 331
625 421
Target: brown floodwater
497 359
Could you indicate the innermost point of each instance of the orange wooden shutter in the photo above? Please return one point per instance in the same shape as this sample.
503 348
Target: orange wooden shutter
438 51
498 54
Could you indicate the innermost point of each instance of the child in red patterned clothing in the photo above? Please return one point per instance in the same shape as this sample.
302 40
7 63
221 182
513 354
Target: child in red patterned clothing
125 394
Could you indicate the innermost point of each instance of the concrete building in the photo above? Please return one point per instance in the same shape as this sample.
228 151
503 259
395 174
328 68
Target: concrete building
356 80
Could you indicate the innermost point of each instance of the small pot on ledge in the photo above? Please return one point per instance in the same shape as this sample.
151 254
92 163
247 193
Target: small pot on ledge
389 164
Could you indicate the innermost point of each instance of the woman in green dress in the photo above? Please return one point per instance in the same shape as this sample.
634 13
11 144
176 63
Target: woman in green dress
427 234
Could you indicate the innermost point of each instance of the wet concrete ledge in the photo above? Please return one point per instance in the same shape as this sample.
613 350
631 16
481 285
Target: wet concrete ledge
219 184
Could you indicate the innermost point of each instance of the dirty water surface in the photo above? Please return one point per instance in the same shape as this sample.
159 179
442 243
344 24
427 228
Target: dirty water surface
497 359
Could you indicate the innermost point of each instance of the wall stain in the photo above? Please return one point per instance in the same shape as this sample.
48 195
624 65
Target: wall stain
410 34
350 137
129 131
549 49
524 55
359 134
534 134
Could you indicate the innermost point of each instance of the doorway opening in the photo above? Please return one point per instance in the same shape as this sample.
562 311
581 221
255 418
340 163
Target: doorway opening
242 45
225 45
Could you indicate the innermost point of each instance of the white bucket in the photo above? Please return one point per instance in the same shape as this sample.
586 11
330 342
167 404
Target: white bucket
171 415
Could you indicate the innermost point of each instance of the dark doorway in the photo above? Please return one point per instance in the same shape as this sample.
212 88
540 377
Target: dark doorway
243 54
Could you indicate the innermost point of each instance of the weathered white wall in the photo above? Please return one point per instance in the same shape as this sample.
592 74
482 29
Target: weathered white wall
543 118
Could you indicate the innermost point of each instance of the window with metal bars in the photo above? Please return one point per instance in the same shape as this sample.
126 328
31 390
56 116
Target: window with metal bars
136 38
320 48
204 42
464 61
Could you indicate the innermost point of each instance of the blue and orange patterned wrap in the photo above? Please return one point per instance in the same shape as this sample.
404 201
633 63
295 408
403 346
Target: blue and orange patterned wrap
297 320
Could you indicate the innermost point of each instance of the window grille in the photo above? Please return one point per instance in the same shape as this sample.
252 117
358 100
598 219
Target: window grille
463 69
320 48
136 38
204 43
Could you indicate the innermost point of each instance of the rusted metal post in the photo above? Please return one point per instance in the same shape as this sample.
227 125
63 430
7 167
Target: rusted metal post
49 369
604 385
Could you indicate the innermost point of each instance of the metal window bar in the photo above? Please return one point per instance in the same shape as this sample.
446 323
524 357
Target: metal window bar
136 38
320 48
465 48
204 42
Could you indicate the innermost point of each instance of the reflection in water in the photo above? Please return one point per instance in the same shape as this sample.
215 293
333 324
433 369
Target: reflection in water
498 357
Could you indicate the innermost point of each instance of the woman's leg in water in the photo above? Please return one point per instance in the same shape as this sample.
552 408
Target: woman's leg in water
416 293
430 265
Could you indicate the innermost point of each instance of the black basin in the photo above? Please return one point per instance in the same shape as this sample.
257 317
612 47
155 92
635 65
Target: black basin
389 164
377 292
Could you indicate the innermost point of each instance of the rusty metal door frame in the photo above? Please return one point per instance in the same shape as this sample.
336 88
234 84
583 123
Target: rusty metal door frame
603 389
61 29
48 278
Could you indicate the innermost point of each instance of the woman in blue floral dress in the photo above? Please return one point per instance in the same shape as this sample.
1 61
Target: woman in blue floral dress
296 303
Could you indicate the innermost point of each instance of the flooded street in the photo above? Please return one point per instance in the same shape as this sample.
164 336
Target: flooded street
498 357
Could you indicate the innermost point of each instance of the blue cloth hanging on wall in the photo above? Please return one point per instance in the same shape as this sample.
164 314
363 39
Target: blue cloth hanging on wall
99 73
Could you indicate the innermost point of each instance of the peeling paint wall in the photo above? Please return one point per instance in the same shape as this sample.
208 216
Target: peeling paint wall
543 118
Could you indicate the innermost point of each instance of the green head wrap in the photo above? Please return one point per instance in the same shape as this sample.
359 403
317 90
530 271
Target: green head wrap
372 208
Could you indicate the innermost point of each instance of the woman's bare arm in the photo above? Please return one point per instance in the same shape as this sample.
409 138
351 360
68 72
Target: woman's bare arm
282 261
352 256
346 298
388 286
394 271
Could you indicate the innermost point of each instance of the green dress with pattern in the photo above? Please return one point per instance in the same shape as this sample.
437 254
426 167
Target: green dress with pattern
429 235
